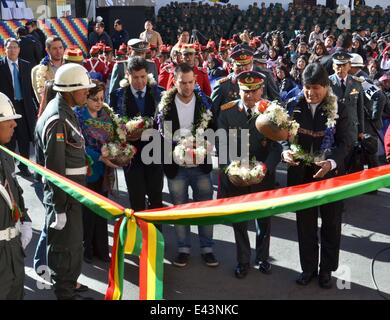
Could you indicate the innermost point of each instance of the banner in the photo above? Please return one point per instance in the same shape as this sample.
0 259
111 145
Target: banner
73 31
135 234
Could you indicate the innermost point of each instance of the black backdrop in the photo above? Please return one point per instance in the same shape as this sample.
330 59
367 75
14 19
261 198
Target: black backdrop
133 18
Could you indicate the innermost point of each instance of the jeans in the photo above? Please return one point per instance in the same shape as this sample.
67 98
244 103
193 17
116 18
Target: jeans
202 190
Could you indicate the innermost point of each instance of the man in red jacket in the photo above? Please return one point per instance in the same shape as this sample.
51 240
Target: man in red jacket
188 52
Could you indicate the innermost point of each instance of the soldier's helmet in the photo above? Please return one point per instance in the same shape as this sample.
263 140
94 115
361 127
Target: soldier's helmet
7 110
72 77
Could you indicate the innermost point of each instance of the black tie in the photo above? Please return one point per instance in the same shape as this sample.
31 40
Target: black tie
342 86
249 113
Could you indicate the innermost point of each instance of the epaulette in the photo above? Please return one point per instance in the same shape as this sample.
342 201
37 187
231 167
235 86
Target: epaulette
359 79
220 81
228 105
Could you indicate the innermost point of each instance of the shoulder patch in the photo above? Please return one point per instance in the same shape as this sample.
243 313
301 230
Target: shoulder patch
220 81
228 105
358 79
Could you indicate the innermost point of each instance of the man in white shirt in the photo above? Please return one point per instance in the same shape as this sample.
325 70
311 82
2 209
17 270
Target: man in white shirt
182 107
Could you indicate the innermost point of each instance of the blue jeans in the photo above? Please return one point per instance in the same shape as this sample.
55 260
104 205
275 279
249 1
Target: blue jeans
202 190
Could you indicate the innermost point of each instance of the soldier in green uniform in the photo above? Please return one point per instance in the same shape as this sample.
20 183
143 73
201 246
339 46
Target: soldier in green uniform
15 225
61 140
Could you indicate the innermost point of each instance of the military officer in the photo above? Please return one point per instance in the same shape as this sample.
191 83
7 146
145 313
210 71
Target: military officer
241 114
350 92
374 104
60 138
227 88
15 225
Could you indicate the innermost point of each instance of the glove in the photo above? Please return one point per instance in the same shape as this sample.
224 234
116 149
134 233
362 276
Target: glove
26 233
60 222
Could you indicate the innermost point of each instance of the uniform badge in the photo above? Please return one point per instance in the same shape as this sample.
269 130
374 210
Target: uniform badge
60 137
354 91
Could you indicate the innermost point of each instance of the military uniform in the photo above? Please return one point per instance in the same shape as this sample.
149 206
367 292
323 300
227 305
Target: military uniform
201 77
11 251
353 98
374 103
63 145
225 91
234 115
227 88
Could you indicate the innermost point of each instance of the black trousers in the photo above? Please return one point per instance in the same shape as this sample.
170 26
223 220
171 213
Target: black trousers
330 236
95 228
144 180
330 233
21 137
263 225
243 247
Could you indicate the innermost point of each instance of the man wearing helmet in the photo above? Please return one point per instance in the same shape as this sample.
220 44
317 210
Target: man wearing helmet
61 140
15 225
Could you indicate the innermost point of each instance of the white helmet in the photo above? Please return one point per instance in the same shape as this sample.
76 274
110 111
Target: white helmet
71 77
357 60
7 110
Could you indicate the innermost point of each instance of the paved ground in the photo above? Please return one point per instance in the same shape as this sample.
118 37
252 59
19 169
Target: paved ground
366 231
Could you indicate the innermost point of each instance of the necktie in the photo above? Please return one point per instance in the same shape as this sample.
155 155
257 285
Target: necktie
17 88
342 86
140 102
249 113
313 109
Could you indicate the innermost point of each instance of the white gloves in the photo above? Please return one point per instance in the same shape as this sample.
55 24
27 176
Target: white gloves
26 233
60 222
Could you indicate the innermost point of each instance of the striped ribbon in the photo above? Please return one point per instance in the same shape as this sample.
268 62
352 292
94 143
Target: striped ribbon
131 225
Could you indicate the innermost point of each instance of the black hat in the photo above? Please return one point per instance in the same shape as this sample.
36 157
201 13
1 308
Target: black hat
341 57
315 73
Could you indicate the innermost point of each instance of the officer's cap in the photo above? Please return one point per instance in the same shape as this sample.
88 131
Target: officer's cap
341 57
250 80
138 45
242 55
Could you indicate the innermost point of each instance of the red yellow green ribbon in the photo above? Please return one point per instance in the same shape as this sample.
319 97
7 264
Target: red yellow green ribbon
130 226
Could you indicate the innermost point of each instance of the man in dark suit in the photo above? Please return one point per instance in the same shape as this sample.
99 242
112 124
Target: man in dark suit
37 34
240 115
16 84
29 48
140 97
317 136
184 108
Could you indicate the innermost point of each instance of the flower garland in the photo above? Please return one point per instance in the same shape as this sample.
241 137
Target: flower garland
41 74
199 125
330 108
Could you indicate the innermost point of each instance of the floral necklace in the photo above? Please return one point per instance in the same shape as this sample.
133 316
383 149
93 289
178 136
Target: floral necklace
330 108
199 125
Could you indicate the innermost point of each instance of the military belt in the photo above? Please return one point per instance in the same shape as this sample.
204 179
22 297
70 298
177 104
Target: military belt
76 171
8 234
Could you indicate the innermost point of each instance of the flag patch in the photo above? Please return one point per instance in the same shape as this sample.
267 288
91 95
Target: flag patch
60 137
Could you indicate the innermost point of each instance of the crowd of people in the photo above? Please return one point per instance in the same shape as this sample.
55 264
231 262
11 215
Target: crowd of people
224 21
335 86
